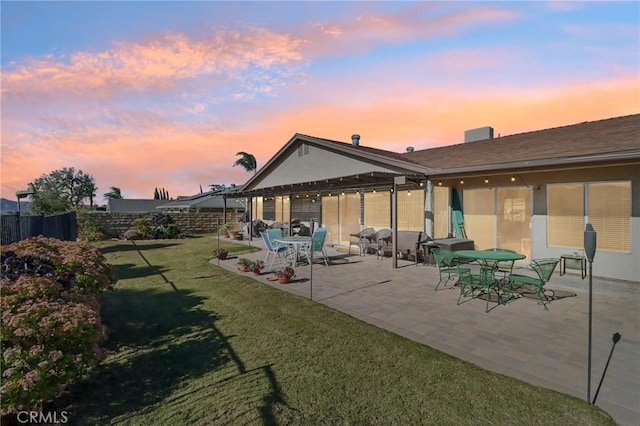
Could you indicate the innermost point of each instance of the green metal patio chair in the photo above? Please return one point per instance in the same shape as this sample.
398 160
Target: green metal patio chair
544 269
505 267
447 267
479 277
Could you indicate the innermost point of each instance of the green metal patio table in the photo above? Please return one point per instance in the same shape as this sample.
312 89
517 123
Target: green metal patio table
488 260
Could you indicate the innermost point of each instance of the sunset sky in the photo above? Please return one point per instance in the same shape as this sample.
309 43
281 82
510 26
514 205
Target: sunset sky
163 94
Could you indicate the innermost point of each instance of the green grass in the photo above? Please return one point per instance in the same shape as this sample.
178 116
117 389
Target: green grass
190 343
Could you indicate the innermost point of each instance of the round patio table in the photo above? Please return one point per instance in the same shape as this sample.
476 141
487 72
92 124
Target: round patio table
490 255
489 260
295 245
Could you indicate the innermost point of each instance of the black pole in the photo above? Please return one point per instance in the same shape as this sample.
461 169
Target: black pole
590 330
311 270
18 220
590 250
218 226
616 339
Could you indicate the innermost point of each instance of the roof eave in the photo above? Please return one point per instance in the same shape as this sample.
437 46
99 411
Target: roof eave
547 162
340 147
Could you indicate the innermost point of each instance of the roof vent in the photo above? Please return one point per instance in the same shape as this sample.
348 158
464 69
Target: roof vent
355 139
409 149
479 134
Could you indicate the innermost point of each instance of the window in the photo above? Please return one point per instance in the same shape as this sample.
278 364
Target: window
479 217
609 211
499 217
440 212
411 210
282 208
606 205
348 216
377 210
256 208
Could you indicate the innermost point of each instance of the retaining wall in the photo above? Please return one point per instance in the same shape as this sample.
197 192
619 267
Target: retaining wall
114 224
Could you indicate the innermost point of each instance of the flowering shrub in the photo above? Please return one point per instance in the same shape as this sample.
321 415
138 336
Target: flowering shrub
47 341
221 253
50 325
287 272
158 226
82 265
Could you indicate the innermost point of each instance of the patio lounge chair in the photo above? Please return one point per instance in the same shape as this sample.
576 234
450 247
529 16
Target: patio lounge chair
274 251
379 241
317 245
544 269
360 239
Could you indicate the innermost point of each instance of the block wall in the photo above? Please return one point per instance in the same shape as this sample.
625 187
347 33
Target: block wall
114 224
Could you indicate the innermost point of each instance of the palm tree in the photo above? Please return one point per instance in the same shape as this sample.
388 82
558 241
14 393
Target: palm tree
248 162
114 192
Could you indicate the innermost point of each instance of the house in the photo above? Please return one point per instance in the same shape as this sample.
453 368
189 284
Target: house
217 200
531 192
131 205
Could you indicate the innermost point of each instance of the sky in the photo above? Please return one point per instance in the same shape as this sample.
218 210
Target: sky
147 94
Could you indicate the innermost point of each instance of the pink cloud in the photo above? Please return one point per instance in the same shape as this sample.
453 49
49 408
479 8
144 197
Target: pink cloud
156 64
421 20
180 157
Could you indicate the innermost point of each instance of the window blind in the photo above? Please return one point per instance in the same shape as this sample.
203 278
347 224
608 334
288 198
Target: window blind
565 215
609 211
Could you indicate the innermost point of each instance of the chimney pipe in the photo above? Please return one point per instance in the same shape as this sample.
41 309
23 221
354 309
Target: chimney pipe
355 140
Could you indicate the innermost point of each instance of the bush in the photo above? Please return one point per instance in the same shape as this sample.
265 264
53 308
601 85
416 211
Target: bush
141 226
47 341
88 230
50 325
159 226
80 264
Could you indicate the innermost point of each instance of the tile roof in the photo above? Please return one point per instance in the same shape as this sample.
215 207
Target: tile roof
614 135
129 205
362 149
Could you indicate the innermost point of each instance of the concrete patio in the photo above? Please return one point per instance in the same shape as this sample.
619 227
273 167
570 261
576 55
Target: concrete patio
547 348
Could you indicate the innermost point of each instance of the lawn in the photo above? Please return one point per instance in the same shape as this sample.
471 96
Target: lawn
191 343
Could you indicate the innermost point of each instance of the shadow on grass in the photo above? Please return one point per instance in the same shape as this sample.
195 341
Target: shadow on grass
131 245
131 271
160 343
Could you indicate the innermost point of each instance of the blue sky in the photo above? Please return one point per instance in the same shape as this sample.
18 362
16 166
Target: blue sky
163 94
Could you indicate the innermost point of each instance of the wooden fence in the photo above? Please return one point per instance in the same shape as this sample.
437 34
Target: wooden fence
15 228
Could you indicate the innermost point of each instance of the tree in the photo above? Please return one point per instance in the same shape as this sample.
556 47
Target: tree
62 190
247 162
114 193
162 194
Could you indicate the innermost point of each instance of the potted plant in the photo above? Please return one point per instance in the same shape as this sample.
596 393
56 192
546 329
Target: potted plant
285 275
220 253
256 266
243 264
224 230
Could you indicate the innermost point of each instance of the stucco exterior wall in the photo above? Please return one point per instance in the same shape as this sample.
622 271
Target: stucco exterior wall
607 264
318 164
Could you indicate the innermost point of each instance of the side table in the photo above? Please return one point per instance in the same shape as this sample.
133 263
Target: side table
571 261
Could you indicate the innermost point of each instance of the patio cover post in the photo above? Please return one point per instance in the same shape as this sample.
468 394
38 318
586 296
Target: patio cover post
224 209
398 180
428 210
250 207
290 213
